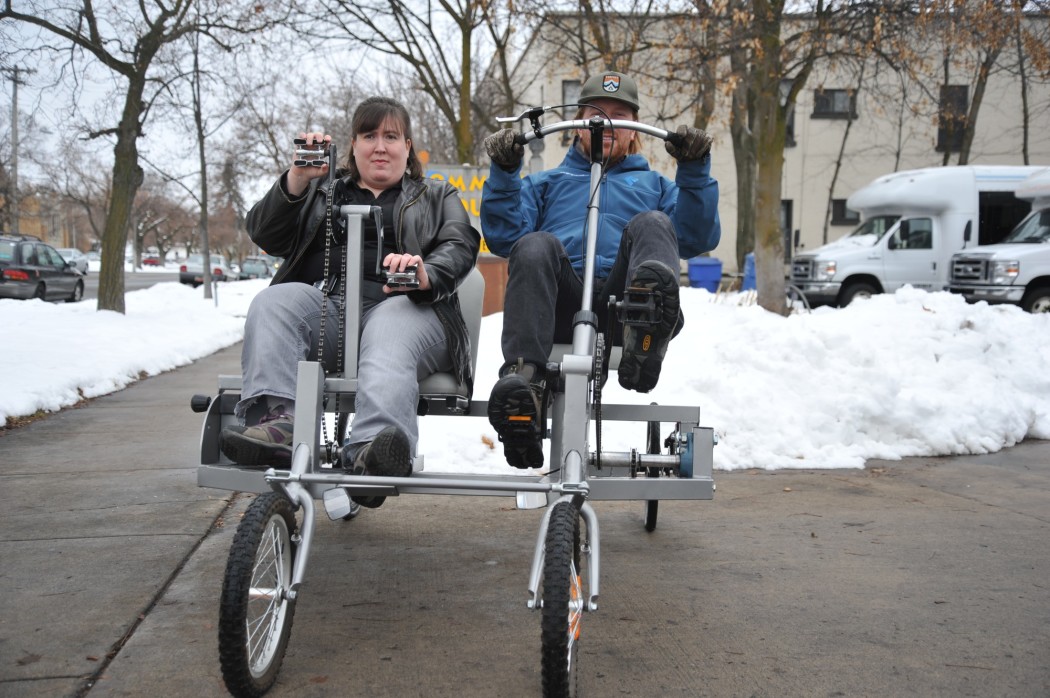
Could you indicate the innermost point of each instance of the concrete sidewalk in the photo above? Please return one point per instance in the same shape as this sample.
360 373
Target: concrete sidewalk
923 577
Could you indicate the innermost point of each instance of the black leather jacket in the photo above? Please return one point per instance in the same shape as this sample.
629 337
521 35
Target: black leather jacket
430 222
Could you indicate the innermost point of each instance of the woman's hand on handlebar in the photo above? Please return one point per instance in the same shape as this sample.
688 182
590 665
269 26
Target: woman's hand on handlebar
299 175
400 262
504 149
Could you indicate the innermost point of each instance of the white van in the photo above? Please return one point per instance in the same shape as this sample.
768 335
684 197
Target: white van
913 222
1017 270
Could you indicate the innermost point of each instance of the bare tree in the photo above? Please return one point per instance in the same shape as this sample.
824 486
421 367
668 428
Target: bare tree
157 218
131 43
436 43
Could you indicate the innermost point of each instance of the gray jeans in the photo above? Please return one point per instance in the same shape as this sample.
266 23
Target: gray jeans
401 343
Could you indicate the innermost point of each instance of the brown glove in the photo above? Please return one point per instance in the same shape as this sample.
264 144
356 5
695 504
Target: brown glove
693 144
503 150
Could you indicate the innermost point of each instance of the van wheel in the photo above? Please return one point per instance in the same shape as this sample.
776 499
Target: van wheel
1037 300
857 289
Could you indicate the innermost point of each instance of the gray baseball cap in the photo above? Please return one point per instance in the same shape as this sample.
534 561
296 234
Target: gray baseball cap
610 85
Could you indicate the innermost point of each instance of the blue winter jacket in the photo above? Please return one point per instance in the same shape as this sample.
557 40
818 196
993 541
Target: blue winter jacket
555 201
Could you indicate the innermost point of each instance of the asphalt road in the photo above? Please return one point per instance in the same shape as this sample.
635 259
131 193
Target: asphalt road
133 281
922 577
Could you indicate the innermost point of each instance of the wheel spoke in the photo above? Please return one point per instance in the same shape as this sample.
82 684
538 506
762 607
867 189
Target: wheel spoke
575 613
266 597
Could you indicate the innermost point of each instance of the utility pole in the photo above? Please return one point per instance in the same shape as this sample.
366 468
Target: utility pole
15 81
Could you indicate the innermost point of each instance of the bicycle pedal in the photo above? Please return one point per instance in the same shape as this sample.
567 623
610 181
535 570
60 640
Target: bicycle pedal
403 279
640 306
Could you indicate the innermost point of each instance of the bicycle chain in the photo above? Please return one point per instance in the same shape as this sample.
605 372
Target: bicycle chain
599 364
325 290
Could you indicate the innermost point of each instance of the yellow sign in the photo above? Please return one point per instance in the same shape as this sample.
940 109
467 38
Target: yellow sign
469 180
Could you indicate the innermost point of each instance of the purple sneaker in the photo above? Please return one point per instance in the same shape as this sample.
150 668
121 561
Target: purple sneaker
269 443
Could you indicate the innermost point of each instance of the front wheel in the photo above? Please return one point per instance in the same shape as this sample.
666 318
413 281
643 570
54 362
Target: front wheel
855 290
1037 300
255 611
78 293
563 602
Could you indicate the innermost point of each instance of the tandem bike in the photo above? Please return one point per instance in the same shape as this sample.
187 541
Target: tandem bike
269 556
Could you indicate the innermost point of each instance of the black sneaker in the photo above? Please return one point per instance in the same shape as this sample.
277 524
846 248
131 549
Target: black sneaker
644 346
269 443
515 412
388 455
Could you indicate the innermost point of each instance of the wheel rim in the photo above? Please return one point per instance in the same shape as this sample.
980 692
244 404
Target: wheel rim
268 595
1041 305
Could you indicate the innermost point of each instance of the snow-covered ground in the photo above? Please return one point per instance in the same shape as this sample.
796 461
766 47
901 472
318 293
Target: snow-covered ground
899 375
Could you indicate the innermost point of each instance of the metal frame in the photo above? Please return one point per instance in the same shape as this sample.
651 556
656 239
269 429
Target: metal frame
579 477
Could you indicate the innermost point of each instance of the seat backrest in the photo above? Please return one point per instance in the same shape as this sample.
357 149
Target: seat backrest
471 300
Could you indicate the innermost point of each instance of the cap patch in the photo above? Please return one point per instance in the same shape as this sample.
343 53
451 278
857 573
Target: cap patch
611 83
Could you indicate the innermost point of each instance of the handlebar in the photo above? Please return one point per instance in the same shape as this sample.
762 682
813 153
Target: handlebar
594 123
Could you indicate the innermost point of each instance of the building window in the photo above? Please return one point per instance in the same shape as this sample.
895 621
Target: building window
951 118
789 136
790 239
840 215
570 95
834 104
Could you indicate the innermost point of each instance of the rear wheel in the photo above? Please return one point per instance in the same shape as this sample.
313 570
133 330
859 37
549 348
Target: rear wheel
255 611
563 602
652 506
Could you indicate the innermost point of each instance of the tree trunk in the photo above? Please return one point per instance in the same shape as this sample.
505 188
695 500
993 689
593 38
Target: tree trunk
975 104
127 178
744 157
769 125
465 137
769 250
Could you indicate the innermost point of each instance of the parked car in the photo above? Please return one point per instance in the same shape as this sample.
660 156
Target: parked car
75 257
151 260
94 258
31 269
192 270
255 268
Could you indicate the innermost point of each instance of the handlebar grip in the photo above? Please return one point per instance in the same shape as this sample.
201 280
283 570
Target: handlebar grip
520 139
674 139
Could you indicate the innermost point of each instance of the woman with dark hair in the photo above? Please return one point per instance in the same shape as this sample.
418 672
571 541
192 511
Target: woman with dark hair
406 333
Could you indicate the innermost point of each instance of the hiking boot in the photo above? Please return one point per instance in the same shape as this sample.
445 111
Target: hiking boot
516 411
388 455
269 443
644 345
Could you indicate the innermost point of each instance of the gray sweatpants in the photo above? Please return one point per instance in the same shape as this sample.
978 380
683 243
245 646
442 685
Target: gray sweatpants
401 343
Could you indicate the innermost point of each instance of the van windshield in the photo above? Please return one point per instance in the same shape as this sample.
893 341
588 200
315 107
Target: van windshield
867 233
876 225
1034 229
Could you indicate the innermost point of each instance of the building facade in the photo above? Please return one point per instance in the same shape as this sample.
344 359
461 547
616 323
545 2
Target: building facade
848 126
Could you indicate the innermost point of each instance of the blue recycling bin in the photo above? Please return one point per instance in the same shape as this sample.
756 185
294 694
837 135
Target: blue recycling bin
749 272
705 272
